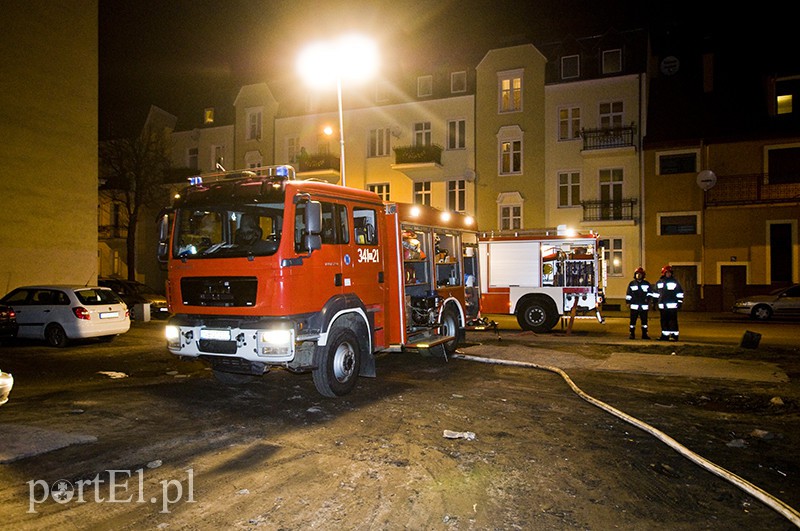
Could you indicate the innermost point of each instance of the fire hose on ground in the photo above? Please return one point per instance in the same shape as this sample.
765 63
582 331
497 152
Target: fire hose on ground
787 511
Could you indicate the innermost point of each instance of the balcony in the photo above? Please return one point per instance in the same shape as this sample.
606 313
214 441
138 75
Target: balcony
323 166
752 189
608 138
107 232
610 210
419 163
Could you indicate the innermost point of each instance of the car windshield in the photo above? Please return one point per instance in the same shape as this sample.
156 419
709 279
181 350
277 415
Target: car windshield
92 296
252 229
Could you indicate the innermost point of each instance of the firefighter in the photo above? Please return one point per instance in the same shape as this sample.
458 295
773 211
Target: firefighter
638 299
669 294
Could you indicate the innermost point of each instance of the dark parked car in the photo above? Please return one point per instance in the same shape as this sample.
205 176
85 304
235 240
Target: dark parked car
784 302
8 322
134 293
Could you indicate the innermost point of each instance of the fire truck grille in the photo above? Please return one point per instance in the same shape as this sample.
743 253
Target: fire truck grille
219 291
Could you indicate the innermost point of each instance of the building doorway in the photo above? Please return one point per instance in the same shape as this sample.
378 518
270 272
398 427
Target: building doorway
687 276
734 282
780 253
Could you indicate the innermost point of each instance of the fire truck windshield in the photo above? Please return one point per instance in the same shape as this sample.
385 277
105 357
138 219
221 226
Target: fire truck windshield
252 229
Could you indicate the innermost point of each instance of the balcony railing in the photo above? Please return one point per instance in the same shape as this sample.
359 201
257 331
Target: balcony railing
318 162
623 209
418 154
112 231
613 137
752 189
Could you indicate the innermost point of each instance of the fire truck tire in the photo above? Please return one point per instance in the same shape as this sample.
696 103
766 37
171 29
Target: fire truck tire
337 363
537 314
450 328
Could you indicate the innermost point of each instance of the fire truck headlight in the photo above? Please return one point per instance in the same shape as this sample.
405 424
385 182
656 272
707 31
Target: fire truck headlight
275 342
173 334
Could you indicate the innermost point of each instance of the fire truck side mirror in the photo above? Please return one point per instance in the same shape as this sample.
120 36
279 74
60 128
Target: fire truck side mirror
163 238
313 221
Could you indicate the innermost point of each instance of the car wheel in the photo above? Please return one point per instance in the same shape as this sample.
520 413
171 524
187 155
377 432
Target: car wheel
337 363
55 335
762 312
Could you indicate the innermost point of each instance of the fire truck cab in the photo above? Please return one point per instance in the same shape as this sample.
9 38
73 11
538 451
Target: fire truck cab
268 271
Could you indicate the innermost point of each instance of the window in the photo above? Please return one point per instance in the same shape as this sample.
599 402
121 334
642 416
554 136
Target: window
253 124
784 104
458 82
217 156
510 91
510 217
611 193
511 157
381 189
456 131
612 254
422 134
456 195
611 115
569 189
422 193
677 223
677 163
378 142
570 66
208 116
424 86
191 158
334 224
612 61
783 165
569 123
364 226
292 149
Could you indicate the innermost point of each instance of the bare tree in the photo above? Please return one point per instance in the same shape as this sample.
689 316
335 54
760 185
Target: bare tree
133 172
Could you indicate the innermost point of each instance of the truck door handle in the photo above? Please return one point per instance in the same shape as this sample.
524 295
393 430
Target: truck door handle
337 279
380 277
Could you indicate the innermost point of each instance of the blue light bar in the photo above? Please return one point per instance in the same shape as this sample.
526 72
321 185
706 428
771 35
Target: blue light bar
282 171
195 180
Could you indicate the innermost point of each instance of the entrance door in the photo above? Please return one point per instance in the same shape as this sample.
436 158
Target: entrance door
734 279
687 276
780 252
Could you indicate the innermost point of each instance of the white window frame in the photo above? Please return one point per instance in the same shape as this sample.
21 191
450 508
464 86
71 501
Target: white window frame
424 86
254 122
422 193
695 213
217 152
292 144
510 136
193 158
614 116
572 180
456 134
379 142
661 154
457 195
510 85
612 61
507 202
569 124
610 254
566 72
458 82
382 189
422 134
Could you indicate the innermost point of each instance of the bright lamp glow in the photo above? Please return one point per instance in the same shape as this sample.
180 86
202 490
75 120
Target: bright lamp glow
276 337
351 57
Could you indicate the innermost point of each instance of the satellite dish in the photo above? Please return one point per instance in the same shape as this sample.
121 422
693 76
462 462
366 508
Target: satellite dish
706 180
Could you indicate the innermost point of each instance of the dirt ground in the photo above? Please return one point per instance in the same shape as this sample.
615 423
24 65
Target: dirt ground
275 455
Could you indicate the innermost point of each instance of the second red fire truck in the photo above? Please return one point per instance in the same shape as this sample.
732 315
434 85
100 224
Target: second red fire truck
268 271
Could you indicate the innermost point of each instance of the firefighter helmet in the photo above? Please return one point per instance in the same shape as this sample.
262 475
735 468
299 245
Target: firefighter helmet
639 271
666 269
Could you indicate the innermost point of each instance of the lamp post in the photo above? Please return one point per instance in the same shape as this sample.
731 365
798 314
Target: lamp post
352 58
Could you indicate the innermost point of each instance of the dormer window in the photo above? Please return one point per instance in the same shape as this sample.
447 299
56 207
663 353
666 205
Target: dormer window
612 61
570 66
208 116
424 86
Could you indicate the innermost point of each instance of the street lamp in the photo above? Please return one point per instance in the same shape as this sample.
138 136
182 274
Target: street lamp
352 58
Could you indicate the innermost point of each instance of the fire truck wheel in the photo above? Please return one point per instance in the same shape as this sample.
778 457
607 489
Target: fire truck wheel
337 363
450 328
537 315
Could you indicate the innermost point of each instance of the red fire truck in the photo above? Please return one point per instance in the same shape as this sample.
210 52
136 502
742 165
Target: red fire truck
265 271
540 276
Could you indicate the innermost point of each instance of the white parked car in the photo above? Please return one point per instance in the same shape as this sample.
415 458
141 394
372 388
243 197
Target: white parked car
59 314
783 302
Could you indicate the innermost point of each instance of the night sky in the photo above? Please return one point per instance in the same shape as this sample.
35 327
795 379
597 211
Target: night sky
178 53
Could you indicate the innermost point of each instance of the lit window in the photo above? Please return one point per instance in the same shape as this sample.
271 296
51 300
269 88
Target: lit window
510 91
208 116
785 104
612 253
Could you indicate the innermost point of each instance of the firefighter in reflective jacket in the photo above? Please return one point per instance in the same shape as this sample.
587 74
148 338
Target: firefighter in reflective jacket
669 294
638 299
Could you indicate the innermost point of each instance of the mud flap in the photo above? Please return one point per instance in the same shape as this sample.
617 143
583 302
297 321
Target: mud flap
367 367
